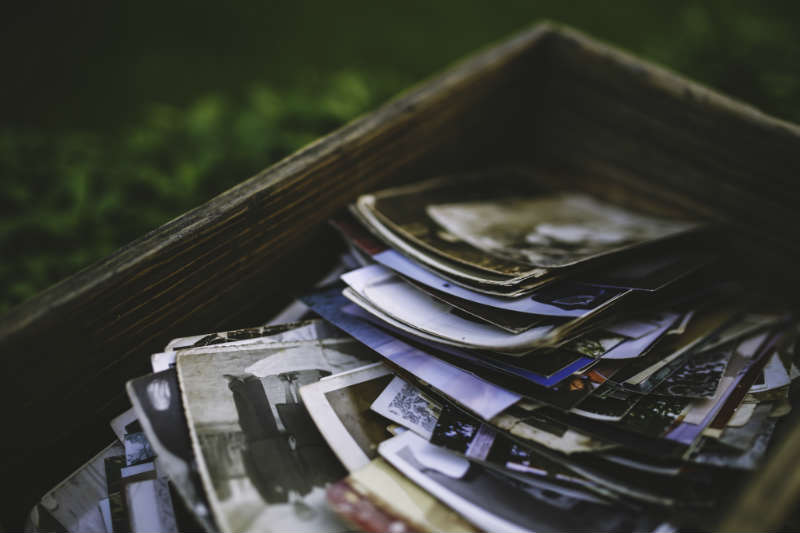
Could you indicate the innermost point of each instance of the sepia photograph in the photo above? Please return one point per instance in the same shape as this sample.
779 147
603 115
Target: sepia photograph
550 231
527 426
295 332
461 273
403 211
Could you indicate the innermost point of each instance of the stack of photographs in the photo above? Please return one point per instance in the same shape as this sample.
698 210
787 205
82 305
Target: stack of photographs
584 353
487 356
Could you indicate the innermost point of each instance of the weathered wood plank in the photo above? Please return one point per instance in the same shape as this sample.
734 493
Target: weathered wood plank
629 129
613 115
67 352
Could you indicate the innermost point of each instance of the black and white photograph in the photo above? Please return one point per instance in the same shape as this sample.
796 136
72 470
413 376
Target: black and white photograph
527 426
307 330
263 462
137 448
494 502
644 373
150 506
698 377
479 442
654 416
403 210
608 407
408 406
157 401
479 395
340 405
550 231
289 332
72 504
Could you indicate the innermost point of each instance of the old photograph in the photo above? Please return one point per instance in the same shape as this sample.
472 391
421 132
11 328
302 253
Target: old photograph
605 407
157 400
594 344
388 489
307 330
405 404
340 406
559 298
650 271
633 348
263 462
72 504
698 377
224 337
398 299
402 209
510 321
495 502
479 395
550 231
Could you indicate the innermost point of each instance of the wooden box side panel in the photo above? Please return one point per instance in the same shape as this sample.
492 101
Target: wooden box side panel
67 353
638 134
623 127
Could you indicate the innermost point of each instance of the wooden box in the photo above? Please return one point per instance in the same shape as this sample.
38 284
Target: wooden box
573 109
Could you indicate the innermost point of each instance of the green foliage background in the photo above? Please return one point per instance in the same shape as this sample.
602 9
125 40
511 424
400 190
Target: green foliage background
159 108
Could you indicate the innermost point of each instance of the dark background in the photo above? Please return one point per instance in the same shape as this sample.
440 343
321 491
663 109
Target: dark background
118 116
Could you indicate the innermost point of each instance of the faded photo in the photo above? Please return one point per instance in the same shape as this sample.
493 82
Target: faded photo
402 209
263 461
306 330
495 502
550 231
157 401
340 407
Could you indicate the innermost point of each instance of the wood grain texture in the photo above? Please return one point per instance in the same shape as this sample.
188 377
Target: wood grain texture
628 125
639 134
584 114
67 353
